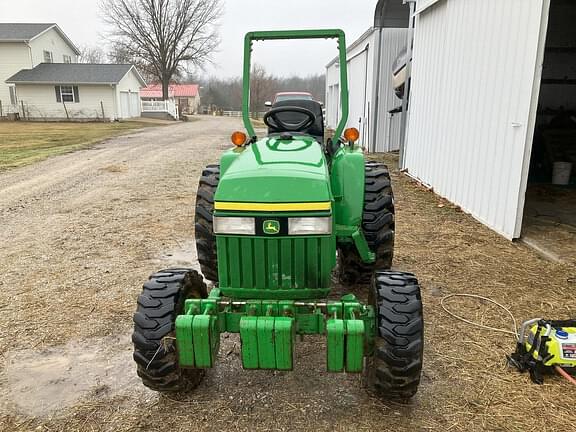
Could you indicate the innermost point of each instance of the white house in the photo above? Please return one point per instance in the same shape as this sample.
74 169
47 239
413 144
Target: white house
26 45
373 104
492 108
52 91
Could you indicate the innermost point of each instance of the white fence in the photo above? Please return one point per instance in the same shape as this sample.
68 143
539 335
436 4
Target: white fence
232 113
9 109
166 106
239 114
25 110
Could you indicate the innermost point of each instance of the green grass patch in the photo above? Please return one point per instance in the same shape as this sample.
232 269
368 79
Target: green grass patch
23 143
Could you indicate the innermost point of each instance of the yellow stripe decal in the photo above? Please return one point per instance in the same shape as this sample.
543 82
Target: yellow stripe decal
219 205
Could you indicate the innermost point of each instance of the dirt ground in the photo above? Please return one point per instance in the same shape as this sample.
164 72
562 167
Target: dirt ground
81 231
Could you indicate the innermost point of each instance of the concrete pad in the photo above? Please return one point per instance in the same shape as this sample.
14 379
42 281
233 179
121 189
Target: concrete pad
550 222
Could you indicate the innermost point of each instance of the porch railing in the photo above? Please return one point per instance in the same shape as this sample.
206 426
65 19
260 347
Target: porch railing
166 106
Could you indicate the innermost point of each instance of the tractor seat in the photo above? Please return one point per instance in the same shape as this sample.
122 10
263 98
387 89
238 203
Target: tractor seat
316 130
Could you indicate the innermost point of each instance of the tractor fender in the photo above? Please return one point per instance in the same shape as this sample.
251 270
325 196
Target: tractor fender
228 157
347 183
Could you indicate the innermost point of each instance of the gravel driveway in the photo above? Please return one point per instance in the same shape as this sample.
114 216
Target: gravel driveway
81 232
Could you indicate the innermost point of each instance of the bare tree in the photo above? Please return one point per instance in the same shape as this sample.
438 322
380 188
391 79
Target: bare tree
91 54
261 89
119 55
166 35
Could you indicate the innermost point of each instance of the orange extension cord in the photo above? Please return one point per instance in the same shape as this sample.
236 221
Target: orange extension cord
565 375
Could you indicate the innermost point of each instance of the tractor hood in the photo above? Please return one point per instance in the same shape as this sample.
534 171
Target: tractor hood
274 170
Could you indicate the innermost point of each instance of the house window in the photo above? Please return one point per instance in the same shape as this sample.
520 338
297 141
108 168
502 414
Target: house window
67 58
67 93
13 98
47 57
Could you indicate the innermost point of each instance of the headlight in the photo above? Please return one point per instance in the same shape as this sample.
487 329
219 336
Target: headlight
234 225
309 225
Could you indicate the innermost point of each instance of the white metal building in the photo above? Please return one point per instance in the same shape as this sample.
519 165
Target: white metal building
478 93
372 97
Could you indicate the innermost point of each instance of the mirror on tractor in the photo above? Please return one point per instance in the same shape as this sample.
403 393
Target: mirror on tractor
268 103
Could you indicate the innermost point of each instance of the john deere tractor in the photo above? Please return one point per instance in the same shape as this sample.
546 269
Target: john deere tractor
275 219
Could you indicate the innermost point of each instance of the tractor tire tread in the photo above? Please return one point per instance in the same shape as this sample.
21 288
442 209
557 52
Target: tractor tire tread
161 301
205 238
396 364
378 226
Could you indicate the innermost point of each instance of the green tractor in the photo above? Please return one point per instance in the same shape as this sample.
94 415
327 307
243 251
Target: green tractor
275 219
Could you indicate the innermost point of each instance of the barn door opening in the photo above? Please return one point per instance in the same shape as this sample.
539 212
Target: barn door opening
549 223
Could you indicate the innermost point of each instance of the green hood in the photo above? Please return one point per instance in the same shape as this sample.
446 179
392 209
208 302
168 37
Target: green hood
275 171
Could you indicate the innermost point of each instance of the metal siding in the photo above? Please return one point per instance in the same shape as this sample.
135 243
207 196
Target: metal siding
388 129
358 83
473 76
360 56
332 102
361 67
425 4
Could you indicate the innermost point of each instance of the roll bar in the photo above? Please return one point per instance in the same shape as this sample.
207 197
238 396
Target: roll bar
295 34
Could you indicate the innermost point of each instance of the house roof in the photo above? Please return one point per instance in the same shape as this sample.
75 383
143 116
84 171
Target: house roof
73 73
22 31
174 90
26 32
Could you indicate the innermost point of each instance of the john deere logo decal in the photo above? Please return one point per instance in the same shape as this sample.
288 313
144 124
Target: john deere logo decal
271 227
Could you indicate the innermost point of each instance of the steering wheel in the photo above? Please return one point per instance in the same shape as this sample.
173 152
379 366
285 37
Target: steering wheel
272 121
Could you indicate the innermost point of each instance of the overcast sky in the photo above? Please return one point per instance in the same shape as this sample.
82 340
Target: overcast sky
80 20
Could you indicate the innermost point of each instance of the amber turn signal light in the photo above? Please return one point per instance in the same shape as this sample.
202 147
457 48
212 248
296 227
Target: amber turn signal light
351 134
238 138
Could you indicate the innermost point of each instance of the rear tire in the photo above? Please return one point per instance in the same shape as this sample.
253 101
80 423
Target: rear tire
161 301
204 233
377 225
394 369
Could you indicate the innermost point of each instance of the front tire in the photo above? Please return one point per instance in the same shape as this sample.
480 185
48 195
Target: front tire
378 226
204 233
161 301
393 371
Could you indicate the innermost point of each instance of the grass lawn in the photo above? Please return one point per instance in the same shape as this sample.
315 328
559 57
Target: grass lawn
23 143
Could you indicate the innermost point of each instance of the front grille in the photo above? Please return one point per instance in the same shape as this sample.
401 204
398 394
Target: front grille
275 264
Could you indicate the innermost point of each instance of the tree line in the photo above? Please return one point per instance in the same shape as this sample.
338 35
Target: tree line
226 93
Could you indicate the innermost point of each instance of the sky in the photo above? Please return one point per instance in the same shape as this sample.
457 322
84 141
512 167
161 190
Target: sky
81 21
